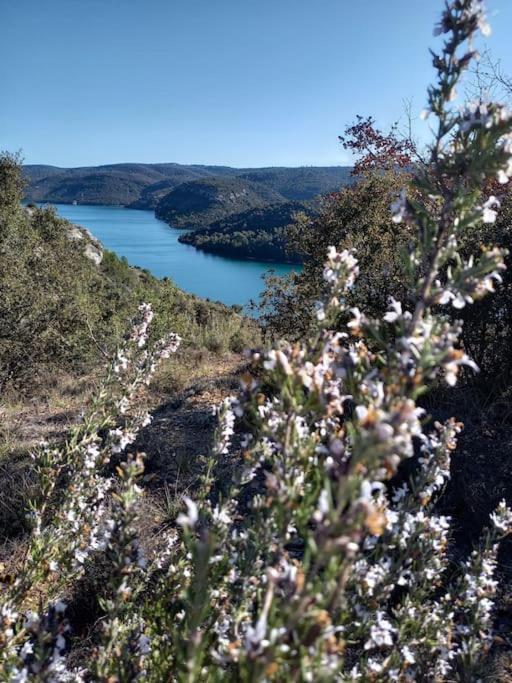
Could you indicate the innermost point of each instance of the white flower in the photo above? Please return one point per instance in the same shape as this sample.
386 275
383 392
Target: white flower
399 207
221 515
503 178
374 666
357 320
369 488
32 620
502 517
489 210
459 301
408 655
27 649
124 590
59 606
171 345
19 676
80 556
362 413
395 311
323 506
121 362
121 439
189 520
320 311
452 368
341 268
147 420
381 633
144 644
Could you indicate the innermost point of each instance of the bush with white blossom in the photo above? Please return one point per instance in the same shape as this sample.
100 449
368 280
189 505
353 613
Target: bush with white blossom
321 560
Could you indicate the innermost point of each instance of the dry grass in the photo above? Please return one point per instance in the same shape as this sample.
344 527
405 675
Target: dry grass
45 415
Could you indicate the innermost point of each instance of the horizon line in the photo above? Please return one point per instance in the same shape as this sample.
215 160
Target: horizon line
179 163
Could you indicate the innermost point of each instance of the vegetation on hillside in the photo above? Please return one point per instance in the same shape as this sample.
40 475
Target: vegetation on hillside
311 542
199 197
260 233
201 202
300 184
357 217
143 185
117 184
62 311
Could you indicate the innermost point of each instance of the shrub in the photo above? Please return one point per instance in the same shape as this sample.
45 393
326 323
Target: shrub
318 562
357 217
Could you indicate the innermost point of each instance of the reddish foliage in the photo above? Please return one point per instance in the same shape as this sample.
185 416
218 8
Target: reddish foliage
375 150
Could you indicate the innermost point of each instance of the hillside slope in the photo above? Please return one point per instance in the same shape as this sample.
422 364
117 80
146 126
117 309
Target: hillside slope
66 302
119 184
301 183
198 203
143 185
259 233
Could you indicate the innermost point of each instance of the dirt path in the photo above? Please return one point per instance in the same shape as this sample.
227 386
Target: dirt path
183 426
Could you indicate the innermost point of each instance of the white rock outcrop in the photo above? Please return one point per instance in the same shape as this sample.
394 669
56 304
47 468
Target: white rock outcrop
92 248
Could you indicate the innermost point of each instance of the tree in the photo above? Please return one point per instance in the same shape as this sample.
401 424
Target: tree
375 150
11 181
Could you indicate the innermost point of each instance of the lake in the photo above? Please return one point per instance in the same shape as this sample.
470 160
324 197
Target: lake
150 243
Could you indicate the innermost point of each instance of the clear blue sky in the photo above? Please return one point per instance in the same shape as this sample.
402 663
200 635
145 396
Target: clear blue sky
239 82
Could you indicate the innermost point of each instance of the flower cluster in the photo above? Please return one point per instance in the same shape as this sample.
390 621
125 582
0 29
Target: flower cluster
337 557
469 16
93 516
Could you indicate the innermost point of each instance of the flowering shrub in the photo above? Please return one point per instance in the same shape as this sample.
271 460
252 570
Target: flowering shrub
81 512
321 560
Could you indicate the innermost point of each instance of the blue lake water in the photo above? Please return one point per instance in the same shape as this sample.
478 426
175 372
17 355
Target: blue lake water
150 243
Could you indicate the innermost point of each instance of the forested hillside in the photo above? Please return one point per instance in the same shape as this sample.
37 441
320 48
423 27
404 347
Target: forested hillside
301 183
143 185
117 184
66 301
198 197
201 202
260 233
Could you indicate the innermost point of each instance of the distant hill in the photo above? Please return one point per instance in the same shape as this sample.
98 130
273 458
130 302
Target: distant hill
239 212
301 183
259 233
121 184
92 188
144 185
37 172
198 203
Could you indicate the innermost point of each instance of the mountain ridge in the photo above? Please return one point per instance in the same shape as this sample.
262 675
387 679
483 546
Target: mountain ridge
142 186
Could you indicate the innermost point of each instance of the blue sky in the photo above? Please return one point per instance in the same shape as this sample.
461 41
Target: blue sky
238 82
